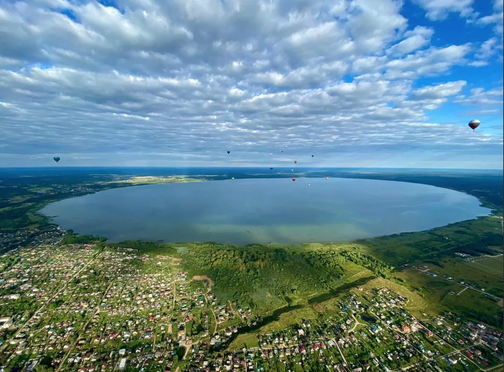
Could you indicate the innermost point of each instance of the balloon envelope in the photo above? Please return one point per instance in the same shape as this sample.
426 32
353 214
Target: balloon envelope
295 161
473 124
56 159
229 152
293 179
327 178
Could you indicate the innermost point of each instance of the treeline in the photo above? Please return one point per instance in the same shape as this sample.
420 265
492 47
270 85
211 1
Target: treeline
72 238
373 264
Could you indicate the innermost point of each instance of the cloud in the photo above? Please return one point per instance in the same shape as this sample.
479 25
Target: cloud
438 10
183 81
438 91
432 97
430 62
496 18
482 97
415 39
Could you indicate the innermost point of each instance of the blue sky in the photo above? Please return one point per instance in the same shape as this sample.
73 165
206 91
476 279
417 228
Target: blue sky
377 83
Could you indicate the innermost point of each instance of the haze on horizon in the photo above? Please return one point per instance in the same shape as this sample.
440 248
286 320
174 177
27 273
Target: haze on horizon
357 83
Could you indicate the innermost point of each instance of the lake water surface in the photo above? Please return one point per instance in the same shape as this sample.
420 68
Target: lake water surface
264 210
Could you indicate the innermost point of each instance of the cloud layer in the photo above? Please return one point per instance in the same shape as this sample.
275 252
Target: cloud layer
186 80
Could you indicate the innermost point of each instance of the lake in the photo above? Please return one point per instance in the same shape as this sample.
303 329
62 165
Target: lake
264 210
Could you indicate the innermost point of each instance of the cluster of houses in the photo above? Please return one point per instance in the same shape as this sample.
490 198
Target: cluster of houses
58 189
50 234
371 332
91 309
80 308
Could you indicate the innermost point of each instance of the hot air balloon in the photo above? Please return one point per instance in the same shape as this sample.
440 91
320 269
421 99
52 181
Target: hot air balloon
282 151
56 159
473 124
293 179
271 169
232 178
312 156
295 161
327 178
229 152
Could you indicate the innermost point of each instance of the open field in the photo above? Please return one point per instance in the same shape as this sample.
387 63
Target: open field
490 265
442 294
475 237
485 274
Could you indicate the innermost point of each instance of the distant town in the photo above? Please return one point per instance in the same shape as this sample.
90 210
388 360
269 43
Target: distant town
87 307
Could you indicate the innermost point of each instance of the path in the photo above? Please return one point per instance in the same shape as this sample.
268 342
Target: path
216 323
356 323
341 353
462 291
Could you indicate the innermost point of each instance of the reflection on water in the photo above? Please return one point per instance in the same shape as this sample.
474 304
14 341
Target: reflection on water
264 210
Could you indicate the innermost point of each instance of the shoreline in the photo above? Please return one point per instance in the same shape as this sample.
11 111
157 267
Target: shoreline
493 212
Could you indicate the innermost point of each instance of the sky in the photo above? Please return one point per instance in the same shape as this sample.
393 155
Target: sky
356 83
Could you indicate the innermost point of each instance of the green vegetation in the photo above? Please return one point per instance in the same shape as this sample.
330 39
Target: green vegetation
442 294
475 237
72 238
261 277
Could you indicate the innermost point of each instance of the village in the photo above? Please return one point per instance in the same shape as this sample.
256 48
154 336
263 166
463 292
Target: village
49 234
84 307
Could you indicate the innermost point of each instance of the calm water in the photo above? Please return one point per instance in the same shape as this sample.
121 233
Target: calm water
264 210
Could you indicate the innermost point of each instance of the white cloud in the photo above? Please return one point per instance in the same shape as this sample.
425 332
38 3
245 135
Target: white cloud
195 76
486 51
414 39
438 10
427 62
482 97
439 91
497 20
432 97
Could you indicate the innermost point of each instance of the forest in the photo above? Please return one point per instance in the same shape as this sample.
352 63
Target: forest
266 278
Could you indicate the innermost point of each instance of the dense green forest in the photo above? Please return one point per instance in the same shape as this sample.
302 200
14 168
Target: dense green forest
263 277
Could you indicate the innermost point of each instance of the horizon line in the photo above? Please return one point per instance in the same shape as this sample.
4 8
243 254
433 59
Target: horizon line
242 167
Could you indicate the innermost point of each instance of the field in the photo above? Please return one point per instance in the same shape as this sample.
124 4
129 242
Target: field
442 294
483 273
475 237
490 265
